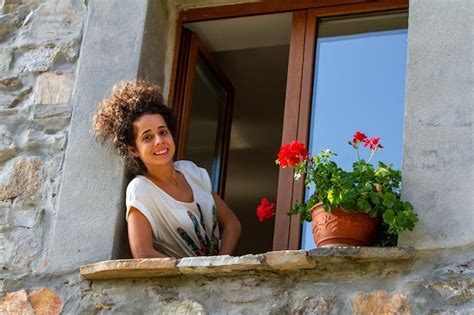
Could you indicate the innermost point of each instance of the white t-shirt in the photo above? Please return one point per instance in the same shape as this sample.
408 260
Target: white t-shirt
180 229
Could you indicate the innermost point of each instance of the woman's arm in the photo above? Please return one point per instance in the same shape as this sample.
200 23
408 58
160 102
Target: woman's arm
140 236
229 226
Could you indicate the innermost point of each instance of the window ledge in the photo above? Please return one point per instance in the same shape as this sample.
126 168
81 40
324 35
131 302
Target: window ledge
278 261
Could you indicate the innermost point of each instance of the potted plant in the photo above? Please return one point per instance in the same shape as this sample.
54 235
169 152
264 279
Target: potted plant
365 201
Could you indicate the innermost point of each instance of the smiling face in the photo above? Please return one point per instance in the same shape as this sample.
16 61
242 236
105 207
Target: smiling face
154 143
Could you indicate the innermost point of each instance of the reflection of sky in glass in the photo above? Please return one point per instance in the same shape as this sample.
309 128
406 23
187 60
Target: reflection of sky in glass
359 85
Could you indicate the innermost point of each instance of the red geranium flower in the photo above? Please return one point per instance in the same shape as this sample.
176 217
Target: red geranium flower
373 143
359 137
265 210
292 154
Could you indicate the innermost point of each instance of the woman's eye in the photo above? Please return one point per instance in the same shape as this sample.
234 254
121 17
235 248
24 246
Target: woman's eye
164 132
146 138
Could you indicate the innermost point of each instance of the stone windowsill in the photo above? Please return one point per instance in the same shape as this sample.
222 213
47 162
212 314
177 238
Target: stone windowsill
272 261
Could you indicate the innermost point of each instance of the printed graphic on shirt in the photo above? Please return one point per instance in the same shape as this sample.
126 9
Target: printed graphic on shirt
206 247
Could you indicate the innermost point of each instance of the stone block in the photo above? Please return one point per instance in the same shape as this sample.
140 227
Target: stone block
130 268
187 307
6 58
8 112
53 111
12 99
26 219
10 83
7 146
45 301
288 260
53 88
16 303
4 220
316 305
220 264
368 254
33 139
52 118
58 22
8 5
22 246
37 60
24 181
8 22
379 302
453 287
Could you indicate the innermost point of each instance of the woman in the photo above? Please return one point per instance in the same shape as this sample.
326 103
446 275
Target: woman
171 209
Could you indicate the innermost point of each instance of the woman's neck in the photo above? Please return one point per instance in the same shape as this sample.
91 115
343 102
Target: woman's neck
163 174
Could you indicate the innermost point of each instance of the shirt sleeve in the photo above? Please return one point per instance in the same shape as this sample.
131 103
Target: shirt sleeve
137 196
205 179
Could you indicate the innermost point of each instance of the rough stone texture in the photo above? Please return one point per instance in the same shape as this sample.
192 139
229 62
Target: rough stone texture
45 301
130 268
16 302
24 181
379 302
185 307
288 260
13 82
7 147
432 282
35 36
6 58
55 22
220 264
53 88
12 99
41 302
438 157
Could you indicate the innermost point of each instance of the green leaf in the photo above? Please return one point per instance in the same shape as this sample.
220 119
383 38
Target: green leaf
389 217
331 196
388 199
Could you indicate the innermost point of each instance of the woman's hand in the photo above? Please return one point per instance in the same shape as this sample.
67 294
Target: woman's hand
140 236
229 226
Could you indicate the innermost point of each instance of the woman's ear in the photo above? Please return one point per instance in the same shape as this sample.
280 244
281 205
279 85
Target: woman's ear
133 151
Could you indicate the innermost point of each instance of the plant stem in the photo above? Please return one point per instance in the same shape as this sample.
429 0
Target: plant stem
371 155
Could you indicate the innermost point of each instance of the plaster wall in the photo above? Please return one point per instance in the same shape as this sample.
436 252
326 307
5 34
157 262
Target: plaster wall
438 168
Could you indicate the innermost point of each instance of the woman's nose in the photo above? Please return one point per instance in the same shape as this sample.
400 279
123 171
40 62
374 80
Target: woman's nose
158 139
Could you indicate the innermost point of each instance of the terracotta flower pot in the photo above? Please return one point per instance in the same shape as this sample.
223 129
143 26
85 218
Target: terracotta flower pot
340 228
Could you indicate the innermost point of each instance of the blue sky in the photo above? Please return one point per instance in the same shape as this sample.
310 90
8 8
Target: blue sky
359 86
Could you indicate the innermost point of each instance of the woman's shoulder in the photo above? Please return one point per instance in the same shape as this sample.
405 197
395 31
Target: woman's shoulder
198 174
138 183
187 166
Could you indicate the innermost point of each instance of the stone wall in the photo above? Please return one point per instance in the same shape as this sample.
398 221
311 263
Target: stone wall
39 47
328 281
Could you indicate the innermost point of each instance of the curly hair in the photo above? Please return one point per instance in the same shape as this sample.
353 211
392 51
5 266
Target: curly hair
114 117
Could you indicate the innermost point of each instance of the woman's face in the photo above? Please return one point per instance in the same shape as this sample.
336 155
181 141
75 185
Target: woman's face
154 144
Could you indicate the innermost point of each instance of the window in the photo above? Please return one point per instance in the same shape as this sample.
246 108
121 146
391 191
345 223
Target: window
316 35
359 83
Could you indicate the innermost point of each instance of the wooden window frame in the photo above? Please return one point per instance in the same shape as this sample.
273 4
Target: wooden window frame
287 233
192 45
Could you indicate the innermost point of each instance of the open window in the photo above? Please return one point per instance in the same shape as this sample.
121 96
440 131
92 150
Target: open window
287 83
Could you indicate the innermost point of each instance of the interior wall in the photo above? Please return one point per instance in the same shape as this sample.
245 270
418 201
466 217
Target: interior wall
259 78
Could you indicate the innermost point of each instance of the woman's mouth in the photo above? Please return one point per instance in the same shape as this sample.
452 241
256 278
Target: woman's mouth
161 152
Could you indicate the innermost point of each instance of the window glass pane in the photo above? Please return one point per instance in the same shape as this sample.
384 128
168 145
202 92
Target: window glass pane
359 84
205 135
